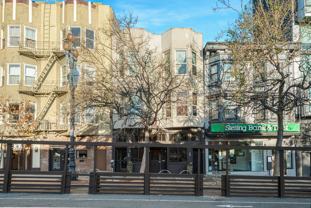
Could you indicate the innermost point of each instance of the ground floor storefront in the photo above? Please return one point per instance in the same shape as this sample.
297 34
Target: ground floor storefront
41 157
253 161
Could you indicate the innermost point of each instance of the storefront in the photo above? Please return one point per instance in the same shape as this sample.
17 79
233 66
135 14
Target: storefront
248 161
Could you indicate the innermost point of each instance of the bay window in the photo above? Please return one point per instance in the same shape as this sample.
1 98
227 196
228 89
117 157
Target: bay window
181 62
76 33
182 107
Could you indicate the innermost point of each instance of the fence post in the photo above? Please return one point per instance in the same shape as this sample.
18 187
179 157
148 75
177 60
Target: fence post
281 177
146 183
199 185
8 167
93 183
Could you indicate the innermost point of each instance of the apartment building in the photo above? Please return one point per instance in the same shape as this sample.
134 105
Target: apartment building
240 125
33 70
179 122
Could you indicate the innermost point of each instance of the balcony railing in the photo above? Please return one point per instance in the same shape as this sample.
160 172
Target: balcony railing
40 48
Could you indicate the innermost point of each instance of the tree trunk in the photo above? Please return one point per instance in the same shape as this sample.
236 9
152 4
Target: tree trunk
144 159
279 141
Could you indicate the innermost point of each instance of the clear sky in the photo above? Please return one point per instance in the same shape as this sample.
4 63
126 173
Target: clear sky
157 16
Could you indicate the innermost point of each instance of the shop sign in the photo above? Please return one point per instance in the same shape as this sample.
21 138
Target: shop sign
252 128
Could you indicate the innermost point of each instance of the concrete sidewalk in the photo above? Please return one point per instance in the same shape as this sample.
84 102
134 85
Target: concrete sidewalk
134 201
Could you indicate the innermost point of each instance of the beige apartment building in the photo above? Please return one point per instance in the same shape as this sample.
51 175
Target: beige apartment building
181 121
33 70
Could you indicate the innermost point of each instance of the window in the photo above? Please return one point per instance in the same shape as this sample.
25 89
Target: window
167 62
289 159
194 63
177 154
181 62
76 32
89 115
30 37
214 111
89 41
30 112
63 78
81 154
230 110
89 75
14 74
194 104
214 73
14 36
136 104
62 114
168 107
13 112
227 72
30 74
132 66
182 107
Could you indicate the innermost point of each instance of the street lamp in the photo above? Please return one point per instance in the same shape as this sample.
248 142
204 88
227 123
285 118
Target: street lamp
73 77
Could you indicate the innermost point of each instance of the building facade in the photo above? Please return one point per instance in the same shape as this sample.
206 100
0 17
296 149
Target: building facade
179 122
240 125
33 79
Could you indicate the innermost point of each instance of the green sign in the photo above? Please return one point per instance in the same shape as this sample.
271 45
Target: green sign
252 128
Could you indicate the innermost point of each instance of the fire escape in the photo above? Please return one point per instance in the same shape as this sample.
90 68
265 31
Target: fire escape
45 50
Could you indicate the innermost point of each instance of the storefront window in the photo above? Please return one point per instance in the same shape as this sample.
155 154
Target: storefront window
289 159
177 154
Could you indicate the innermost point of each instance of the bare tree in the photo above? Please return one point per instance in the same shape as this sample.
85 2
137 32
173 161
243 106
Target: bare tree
133 78
271 72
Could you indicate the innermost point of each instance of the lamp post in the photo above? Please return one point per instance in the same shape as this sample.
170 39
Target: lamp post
73 77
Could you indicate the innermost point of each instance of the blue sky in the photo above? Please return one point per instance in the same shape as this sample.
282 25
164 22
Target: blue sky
157 16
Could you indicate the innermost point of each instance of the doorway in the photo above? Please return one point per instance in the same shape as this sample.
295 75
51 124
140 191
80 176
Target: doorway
56 159
158 160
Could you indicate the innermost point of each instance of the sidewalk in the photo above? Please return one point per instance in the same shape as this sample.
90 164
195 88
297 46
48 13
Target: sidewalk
133 201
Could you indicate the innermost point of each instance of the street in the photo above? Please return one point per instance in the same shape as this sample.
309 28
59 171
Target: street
134 201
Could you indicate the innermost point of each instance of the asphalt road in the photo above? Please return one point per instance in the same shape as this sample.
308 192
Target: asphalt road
130 201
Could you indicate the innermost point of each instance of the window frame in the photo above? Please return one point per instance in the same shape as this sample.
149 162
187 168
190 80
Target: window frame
86 38
212 74
180 64
8 36
80 36
36 69
194 64
8 73
62 81
182 104
36 36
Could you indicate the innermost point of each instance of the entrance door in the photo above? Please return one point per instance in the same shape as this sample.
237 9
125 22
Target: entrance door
121 160
158 160
56 159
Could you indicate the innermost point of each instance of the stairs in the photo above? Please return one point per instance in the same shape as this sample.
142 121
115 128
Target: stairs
46 26
46 108
51 61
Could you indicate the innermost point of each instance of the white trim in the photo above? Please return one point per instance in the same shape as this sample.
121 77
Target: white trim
1 76
3 10
8 35
74 10
30 11
14 10
36 36
30 65
8 73
61 40
63 12
1 39
89 4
